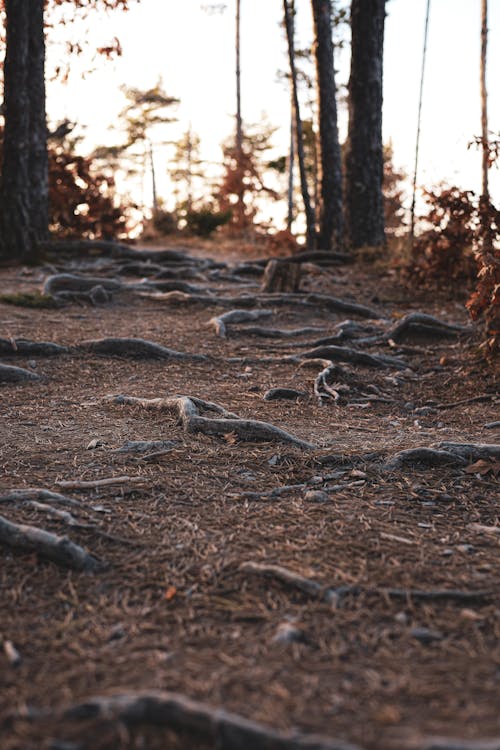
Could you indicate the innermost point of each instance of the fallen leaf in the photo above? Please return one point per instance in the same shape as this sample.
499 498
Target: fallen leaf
483 467
170 593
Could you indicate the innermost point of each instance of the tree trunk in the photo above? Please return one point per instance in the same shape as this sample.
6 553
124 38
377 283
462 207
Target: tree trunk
310 219
331 220
38 157
24 189
364 208
15 195
485 216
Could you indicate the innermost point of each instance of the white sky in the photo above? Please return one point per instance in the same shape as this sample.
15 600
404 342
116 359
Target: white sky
194 54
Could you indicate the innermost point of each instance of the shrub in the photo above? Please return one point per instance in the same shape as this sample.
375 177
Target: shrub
205 220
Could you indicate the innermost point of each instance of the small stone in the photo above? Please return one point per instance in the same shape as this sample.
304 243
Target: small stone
424 411
32 364
447 552
401 618
316 496
287 633
426 635
95 443
465 548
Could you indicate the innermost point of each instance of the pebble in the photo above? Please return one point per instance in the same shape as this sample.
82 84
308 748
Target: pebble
426 635
316 496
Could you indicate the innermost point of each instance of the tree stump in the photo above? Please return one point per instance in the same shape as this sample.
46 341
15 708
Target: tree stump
281 276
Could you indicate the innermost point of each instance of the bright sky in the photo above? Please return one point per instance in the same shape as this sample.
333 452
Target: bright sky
194 54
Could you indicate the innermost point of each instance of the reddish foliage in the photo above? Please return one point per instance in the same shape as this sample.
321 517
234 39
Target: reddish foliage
81 199
444 252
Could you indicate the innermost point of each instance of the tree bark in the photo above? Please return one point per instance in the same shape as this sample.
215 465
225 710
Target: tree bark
310 218
485 217
24 189
38 157
331 220
16 240
364 209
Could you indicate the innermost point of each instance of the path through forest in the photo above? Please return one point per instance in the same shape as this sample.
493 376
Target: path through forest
287 512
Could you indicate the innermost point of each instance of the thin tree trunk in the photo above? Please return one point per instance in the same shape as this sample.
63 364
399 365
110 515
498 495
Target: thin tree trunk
16 237
38 156
291 170
310 219
153 177
364 206
485 142
239 122
331 219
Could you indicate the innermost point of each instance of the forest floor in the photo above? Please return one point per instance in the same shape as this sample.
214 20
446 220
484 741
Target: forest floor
316 610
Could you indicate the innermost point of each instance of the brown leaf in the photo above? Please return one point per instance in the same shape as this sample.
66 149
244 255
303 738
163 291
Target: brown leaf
483 467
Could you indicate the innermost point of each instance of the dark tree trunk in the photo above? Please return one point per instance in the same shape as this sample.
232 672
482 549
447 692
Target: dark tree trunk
310 218
38 158
24 188
16 240
331 219
364 206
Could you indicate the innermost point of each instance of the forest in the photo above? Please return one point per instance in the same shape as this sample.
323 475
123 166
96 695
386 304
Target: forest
249 425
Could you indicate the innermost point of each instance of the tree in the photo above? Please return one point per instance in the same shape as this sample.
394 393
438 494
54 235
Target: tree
144 112
24 188
187 163
330 219
308 209
364 205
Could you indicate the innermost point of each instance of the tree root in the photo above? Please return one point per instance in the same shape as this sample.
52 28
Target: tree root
277 394
220 323
422 324
227 731
58 549
68 283
449 743
135 349
9 374
188 409
25 348
334 595
425 456
276 333
345 354
472 451
296 300
39 496
93 484
114 250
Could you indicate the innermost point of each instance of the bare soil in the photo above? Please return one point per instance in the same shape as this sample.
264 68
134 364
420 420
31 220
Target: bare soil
172 610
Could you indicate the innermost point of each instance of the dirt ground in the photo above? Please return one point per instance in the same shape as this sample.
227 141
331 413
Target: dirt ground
174 607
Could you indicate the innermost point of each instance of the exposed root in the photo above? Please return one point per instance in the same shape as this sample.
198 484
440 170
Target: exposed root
342 385
472 451
449 743
92 484
220 323
58 549
334 595
287 576
227 731
135 349
345 354
276 333
67 283
9 374
37 495
188 409
425 456
25 348
296 300
114 250
277 394
418 323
